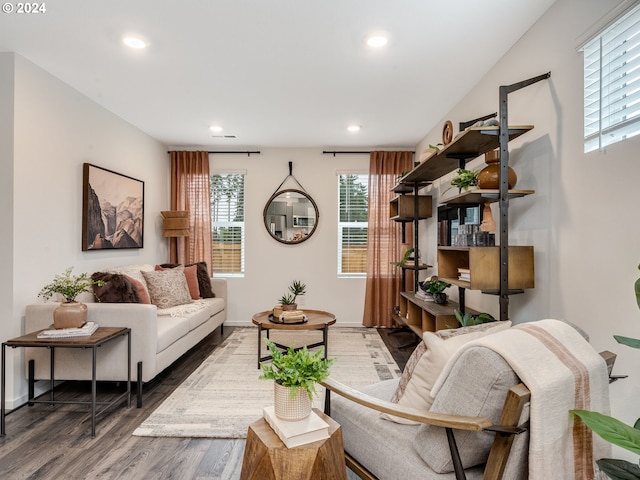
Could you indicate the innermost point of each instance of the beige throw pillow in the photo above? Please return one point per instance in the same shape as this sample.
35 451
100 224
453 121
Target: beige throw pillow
168 288
439 347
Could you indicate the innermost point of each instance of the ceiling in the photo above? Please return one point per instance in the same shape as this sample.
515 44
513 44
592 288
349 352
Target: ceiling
274 73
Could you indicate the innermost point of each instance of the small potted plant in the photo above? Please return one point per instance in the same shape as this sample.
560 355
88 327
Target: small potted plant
436 287
70 313
288 300
464 179
468 319
295 374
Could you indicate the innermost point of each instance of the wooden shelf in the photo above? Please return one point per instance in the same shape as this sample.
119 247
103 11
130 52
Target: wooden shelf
480 196
471 143
402 208
423 316
484 264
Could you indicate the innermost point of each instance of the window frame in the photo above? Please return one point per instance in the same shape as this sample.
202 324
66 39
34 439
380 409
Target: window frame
342 225
230 223
611 76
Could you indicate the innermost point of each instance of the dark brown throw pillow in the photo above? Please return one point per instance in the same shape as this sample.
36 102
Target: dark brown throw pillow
204 281
117 289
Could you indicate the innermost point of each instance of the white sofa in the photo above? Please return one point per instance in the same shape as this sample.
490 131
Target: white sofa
156 340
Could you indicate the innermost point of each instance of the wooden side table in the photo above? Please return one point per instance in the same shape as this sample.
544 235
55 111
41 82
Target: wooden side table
267 458
101 336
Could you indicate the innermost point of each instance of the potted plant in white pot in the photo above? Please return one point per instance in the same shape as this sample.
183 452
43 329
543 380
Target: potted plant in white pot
70 313
295 374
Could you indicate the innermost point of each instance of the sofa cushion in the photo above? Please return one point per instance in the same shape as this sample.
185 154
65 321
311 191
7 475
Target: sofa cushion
116 289
476 386
168 288
190 274
133 271
204 280
143 294
170 330
424 371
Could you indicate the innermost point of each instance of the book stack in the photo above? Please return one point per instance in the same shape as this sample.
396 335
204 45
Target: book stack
464 274
86 330
299 432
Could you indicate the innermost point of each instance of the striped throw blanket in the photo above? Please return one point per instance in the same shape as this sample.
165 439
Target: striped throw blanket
563 372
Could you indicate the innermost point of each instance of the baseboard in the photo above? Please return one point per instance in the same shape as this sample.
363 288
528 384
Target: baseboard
40 387
244 323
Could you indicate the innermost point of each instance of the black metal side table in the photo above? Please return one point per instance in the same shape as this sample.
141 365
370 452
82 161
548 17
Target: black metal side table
101 336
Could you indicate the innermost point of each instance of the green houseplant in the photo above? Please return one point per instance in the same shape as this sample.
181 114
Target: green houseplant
70 314
288 300
436 287
295 373
468 319
615 431
465 179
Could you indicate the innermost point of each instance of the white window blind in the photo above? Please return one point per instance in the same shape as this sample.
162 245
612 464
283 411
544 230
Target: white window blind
612 83
227 223
353 205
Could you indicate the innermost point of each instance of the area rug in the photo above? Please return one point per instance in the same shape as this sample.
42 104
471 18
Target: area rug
225 394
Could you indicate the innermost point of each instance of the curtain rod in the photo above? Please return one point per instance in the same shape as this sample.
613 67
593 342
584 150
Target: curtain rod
346 152
248 153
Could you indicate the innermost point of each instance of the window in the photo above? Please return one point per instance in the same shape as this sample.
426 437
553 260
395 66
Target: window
353 208
612 83
227 223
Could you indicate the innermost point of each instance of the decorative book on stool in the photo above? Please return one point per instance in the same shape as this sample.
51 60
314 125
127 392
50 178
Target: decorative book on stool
300 432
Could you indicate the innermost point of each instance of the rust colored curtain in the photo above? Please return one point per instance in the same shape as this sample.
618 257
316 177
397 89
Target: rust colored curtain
190 191
384 239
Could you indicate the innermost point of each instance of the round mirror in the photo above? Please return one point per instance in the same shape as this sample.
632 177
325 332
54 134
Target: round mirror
291 216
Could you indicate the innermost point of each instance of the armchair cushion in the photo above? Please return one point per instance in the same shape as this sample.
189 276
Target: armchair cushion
477 386
385 448
429 358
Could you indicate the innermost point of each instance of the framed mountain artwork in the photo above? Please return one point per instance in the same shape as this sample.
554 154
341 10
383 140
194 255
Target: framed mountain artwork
112 210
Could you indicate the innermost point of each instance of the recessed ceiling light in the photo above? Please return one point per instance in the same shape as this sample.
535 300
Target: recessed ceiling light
377 41
354 128
134 42
215 128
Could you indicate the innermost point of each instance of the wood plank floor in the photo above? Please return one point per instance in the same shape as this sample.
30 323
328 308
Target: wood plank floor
45 442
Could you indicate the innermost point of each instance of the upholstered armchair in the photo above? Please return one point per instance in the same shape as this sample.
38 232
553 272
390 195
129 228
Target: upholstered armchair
498 409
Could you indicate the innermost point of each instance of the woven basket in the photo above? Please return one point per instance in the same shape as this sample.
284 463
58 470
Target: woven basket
287 408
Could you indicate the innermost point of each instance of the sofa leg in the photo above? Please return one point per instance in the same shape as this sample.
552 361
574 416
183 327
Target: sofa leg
139 387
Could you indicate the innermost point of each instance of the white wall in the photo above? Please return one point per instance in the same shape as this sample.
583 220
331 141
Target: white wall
56 129
271 265
582 219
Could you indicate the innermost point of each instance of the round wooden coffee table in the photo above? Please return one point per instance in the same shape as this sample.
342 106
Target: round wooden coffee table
316 320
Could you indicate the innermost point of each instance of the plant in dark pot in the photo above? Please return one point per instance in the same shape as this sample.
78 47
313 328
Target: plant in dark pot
436 287
295 373
615 431
70 313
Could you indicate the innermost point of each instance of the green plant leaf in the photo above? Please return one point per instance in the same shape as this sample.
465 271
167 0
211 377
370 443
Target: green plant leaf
637 288
611 429
630 342
619 469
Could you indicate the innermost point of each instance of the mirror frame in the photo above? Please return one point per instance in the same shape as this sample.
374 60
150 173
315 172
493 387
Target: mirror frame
276 195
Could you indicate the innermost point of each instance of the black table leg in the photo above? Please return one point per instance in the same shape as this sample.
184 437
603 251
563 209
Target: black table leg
2 391
93 390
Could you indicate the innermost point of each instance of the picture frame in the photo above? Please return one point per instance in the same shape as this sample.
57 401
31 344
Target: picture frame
112 210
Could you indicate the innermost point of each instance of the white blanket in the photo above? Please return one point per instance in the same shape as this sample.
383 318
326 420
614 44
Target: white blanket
563 372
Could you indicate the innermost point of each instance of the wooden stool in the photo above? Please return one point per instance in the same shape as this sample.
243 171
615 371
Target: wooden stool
267 458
